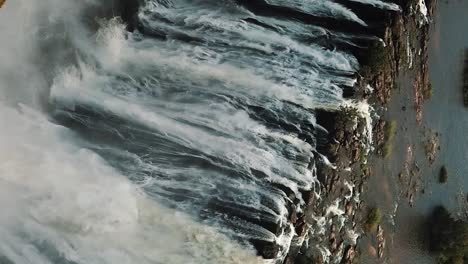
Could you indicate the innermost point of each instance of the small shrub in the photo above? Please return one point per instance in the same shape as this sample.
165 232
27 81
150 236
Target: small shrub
428 92
374 218
443 175
390 132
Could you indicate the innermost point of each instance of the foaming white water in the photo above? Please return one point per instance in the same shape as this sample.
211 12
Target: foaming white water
61 203
85 85
284 57
320 7
380 4
58 196
70 90
423 12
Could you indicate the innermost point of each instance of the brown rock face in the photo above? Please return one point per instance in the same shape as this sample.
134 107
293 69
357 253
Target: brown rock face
2 2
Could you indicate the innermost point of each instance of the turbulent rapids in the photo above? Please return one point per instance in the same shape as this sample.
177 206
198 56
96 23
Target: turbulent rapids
168 131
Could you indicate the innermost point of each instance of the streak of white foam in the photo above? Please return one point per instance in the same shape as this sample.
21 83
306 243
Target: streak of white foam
380 4
321 8
352 237
422 8
350 187
334 209
409 52
327 162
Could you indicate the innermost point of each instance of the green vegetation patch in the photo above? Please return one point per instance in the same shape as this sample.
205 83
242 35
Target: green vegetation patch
390 132
374 218
428 92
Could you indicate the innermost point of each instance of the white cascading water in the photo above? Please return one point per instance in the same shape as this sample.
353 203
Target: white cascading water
179 142
62 203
